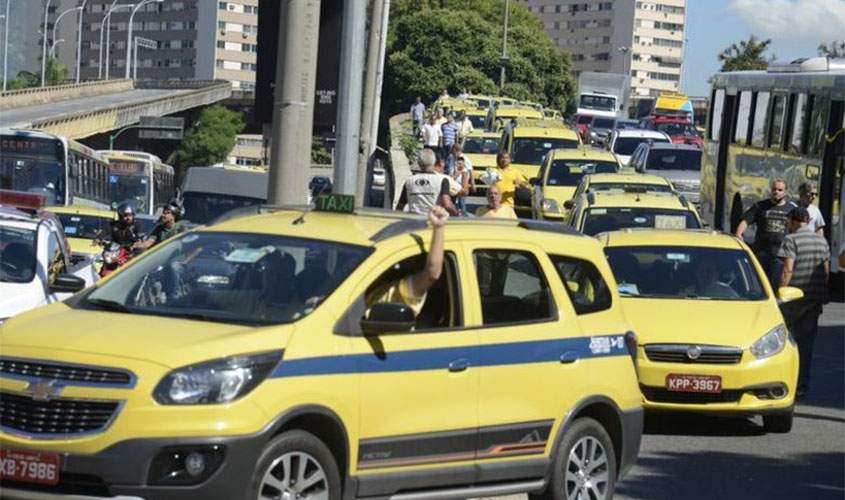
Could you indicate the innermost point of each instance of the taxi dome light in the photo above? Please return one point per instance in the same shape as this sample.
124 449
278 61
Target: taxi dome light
29 202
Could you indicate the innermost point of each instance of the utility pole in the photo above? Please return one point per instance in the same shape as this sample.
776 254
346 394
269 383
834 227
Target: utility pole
504 60
44 46
6 45
293 101
349 98
372 89
79 39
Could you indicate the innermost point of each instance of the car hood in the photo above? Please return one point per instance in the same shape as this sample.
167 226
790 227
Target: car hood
481 160
713 322
16 298
687 176
84 246
559 193
167 341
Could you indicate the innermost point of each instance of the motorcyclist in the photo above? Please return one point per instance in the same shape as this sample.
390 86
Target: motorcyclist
167 226
125 230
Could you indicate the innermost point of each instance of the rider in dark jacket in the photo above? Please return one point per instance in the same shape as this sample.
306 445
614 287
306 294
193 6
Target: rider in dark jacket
126 230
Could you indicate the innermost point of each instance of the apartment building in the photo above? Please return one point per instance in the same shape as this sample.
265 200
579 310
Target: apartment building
642 38
249 151
196 39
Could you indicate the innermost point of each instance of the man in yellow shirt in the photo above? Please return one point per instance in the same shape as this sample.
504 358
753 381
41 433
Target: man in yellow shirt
412 289
494 206
511 178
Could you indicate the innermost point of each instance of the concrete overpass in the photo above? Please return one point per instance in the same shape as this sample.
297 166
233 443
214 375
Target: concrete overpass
86 109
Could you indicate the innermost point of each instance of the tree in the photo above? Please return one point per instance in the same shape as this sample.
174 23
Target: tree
748 55
835 49
56 72
210 139
454 44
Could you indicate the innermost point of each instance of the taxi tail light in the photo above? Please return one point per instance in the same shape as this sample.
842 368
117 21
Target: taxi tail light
632 343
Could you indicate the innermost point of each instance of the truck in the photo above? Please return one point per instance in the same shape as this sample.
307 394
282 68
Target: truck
603 94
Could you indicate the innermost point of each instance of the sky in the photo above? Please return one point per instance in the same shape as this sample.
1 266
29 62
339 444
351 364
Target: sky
796 27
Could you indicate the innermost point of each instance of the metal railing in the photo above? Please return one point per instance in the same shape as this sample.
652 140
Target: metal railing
43 95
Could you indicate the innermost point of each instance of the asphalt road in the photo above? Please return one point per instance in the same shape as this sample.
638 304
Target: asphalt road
692 457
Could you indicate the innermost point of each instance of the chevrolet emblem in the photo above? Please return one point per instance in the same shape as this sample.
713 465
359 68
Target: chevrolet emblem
42 390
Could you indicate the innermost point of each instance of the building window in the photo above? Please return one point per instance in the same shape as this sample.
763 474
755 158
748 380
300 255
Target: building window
221 25
219 63
221 5
221 44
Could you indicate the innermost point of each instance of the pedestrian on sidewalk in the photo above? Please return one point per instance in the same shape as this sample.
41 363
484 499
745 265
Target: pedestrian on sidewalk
806 265
449 130
431 133
771 219
464 128
463 176
417 116
808 193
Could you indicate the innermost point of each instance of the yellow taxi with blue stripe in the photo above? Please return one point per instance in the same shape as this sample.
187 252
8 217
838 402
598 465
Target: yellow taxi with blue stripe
83 225
733 354
561 173
241 360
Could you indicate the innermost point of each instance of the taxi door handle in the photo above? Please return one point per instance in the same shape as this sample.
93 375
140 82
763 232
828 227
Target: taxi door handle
568 357
459 365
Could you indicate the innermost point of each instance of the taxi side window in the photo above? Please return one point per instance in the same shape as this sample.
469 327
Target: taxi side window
441 308
512 287
584 284
56 258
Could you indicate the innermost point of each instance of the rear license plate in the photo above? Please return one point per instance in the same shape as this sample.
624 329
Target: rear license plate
694 383
29 467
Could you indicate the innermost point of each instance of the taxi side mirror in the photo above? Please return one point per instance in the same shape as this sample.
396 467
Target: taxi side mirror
568 204
534 181
67 283
522 197
388 317
788 294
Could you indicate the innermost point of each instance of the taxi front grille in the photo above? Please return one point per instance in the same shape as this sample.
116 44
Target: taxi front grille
56 416
72 373
674 353
662 395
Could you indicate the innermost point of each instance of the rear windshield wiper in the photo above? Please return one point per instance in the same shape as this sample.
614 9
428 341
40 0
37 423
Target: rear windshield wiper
111 305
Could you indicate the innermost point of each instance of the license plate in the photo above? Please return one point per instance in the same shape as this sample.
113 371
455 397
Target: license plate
694 383
29 467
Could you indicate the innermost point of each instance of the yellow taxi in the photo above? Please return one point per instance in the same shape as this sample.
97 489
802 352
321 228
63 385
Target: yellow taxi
242 360
481 148
608 210
622 180
82 226
733 354
561 173
528 141
499 117
478 118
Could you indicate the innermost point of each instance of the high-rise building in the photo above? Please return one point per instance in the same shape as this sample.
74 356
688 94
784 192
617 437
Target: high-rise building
643 38
196 39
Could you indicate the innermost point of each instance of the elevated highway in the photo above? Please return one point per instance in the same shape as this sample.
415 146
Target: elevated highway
83 110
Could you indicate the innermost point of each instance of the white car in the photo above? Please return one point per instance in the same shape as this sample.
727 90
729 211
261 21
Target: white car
623 142
35 267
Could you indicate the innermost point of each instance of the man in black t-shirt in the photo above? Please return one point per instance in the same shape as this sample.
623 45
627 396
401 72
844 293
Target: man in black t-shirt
126 230
771 218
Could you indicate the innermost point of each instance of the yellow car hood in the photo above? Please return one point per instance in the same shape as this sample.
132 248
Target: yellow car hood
558 193
167 341
714 322
83 246
481 160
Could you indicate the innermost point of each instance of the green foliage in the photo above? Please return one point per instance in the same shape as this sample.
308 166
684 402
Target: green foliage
29 78
835 49
748 55
56 72
15 84
56 75
410 145
319 154
453 44
210 139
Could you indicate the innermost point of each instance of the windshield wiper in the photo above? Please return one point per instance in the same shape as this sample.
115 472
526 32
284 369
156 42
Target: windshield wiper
111 305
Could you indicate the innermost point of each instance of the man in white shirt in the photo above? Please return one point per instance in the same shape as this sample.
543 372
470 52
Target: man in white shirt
808 193
432 133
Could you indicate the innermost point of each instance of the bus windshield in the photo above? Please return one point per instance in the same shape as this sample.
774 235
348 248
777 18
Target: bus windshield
131 189
530 150
202 208
34 175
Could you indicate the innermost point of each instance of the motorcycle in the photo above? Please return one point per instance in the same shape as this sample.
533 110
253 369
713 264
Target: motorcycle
115 255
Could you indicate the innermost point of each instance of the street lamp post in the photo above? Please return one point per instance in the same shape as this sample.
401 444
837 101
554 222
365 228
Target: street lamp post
624 50
107 17
56 24
6 46
129 33
504 60
44 46
108 36
79 39
53 46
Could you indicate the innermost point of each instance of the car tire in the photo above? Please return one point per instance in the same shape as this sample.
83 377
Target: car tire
780 423
289 456
571 474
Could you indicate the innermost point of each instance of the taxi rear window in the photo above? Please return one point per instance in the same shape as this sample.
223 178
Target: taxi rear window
599 220
253 279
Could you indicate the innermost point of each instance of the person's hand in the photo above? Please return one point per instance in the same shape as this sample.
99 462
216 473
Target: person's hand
437 216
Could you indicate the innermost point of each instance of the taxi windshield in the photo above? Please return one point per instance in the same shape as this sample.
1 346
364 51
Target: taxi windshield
599 220
243 278
570 172
685 273
478 121
17 255
530 150
84 226
481 145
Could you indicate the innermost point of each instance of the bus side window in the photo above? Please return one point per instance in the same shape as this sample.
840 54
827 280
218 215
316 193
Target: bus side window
742 118
716 114
798 114
817 128
776 125
758 128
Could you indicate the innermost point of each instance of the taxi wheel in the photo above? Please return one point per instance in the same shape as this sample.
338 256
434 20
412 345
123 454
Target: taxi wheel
296 465
778 422
584 467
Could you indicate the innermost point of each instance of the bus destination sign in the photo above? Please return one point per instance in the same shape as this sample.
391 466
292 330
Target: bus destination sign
125 167
30 145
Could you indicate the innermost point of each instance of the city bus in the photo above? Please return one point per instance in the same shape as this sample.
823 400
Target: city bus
63 170
140 179
783 123
209 192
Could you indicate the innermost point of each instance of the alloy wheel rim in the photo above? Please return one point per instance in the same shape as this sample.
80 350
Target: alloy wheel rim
294 476
587 476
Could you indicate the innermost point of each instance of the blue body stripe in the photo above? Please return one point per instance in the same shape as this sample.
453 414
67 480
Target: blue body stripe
511 353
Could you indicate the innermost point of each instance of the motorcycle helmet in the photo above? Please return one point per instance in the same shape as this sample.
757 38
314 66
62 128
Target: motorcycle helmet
125 208
175 207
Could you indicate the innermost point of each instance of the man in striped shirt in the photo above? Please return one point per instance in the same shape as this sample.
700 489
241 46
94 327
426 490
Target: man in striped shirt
806 265
450 137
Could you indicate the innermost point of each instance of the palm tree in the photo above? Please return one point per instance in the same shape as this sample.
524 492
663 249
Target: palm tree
748 55
835 49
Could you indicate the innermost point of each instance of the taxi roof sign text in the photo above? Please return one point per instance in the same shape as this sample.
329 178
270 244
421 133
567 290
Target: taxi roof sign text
342 203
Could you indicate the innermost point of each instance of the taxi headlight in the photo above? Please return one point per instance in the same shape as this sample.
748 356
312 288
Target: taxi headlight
219 381
771 343
550 205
